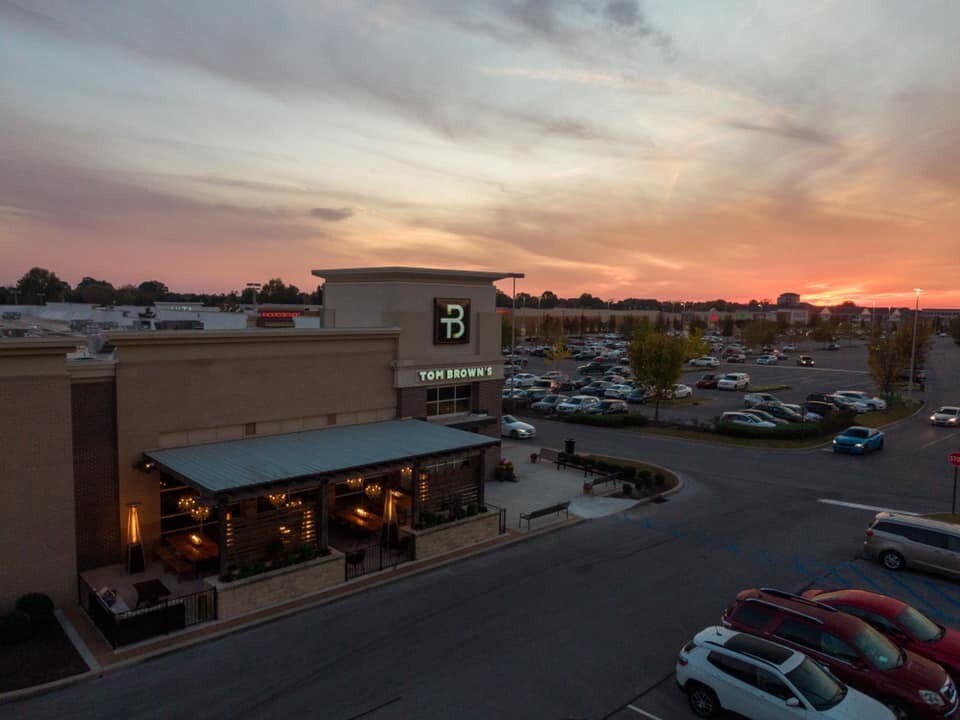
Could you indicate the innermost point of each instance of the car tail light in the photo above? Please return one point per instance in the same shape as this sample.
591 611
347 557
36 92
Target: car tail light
682 661
869 533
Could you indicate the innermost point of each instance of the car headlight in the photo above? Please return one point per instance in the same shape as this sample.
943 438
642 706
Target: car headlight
834 441
859 445
933 418
931 698
953 420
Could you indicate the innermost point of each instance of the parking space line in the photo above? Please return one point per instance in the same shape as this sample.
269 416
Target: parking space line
951 436
644 713
858 506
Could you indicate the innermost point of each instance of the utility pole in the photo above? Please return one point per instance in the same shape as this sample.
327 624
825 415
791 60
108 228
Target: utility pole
913 347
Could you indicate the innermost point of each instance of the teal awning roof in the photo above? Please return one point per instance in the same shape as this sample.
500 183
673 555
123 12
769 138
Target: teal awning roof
236 465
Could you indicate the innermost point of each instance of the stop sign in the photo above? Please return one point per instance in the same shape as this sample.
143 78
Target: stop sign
955 459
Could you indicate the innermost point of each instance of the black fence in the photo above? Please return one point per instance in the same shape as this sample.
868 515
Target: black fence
162 618
503 516
378 556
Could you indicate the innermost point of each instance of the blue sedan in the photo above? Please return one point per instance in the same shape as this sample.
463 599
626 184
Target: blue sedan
858 440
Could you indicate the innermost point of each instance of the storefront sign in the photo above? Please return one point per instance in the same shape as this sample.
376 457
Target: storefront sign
451 321
467 373
278 314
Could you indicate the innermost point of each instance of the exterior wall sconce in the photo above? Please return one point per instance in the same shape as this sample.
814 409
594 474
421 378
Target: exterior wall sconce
145 465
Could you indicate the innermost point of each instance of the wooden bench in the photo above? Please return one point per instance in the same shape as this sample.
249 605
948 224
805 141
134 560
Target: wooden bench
563 507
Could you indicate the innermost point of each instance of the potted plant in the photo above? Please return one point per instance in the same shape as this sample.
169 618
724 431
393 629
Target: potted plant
505 471
533 457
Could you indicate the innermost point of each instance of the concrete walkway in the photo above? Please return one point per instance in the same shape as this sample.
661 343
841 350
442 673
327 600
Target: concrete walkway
541 484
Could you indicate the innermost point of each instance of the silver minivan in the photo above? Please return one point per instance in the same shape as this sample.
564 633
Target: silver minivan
914 541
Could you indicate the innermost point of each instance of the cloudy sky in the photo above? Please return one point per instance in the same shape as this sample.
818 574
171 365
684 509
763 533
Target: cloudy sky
666 148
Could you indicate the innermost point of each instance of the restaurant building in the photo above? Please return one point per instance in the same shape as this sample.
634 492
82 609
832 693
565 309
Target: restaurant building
200 475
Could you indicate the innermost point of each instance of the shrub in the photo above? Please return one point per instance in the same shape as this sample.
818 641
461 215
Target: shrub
472 509
645 478
627 489
659 479
15 627
38 606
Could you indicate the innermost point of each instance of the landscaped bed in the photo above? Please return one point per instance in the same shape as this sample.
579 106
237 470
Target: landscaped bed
645 480
47 656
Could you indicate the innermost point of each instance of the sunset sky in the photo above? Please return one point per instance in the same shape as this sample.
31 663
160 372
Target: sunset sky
669 148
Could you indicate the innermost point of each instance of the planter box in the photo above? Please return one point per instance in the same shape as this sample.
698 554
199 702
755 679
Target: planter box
451 536
248 595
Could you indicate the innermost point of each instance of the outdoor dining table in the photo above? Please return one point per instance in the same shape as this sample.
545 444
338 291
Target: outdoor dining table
195 548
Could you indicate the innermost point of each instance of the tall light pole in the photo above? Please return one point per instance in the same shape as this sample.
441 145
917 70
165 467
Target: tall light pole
913 346
256 288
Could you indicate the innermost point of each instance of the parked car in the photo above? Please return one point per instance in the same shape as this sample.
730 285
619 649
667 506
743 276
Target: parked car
753 399
597 387
522 380
823 409
781 412
736 358
833 346
910 685
806 415
919 375
708 380
858 440
515 394
594 368
806 361
705 361
767 360
577 403
610 407
638 396
725 670
618 392
511 427
848 403
872 403
948 415
734 381
900 541
824 398
789 348
764 415
516 360
902 623
681 391
547 405
743 418
552 375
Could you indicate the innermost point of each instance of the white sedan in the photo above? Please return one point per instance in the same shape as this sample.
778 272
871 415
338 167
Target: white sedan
705 361
874 403
948 415
511 427
618 392
681 391
521 380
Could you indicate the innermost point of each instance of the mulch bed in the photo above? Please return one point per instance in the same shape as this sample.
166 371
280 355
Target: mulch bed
47 656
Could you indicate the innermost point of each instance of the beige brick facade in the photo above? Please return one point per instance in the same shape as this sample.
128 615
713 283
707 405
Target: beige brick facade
242 597
448 537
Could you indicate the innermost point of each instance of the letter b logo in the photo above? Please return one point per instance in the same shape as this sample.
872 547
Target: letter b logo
451 321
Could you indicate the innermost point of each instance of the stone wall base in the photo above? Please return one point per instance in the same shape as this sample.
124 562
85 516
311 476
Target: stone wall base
451 536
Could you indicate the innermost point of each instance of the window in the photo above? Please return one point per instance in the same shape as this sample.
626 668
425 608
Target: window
953 543
800 633
878 621
742 671
752 615
925 537
448 399
770 683
835 647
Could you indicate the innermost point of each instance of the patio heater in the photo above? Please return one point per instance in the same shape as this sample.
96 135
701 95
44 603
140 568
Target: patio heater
135 561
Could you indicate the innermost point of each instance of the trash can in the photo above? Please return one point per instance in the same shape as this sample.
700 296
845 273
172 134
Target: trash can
569 446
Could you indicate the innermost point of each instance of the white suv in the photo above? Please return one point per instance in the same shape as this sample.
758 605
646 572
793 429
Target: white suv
874 403
722 669
734 381
578 403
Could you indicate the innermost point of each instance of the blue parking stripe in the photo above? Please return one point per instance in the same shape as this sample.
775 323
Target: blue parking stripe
939 591
933 609
863 576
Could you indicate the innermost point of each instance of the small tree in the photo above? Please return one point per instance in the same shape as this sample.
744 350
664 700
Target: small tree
657 360
886 361
557 351
823 332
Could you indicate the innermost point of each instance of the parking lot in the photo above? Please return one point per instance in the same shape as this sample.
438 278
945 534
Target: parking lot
843 369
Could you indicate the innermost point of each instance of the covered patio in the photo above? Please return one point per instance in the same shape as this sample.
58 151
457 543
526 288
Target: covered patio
241 508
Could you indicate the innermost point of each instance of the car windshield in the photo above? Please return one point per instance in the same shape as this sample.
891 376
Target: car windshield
729 377
919 625
880 652
509 419
820 690
857 432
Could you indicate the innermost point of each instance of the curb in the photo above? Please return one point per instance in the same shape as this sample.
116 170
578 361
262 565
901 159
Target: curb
391 576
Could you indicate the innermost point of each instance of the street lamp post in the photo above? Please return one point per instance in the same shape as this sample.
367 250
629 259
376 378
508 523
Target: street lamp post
913 346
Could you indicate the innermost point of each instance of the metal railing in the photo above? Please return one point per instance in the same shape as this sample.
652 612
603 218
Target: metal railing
503 516
162 618
377 556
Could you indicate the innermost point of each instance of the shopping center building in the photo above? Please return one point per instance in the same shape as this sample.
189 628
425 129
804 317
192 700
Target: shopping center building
199 475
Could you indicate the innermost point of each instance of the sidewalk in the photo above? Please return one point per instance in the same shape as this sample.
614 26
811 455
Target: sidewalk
541 484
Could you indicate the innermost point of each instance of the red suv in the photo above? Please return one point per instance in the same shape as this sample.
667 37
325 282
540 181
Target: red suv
905 625
910 685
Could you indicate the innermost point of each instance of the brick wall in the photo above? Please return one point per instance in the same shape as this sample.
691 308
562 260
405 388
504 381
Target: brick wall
454 535
412 402
96 492
241 597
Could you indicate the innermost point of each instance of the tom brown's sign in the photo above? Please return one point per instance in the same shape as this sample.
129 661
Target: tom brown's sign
451 321
472 373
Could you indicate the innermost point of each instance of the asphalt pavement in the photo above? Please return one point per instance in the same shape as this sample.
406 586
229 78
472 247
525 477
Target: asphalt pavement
584 622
